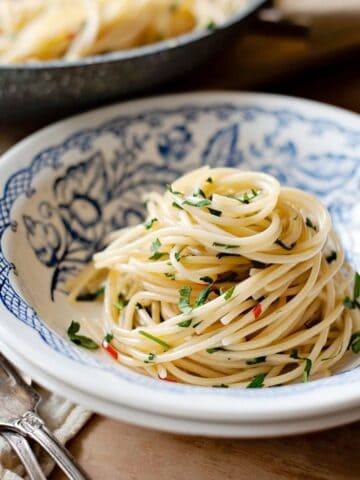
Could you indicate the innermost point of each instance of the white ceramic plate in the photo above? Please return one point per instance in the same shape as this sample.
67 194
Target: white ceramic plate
66 186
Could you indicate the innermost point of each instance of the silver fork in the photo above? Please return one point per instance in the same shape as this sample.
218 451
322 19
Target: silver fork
18 403
23 450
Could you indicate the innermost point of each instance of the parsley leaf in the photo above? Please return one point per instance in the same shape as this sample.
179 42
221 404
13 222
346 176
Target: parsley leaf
256 360
223 254
170 189
155 339
211 25
139 306
150 223
90 297
333 256
257 381
203 295
286 247
354 302
199 193
215 212
215 349
308 364
156 244
246 198
151 358
207 279
176 205
224 245
309 224
197 203
80 340
184 299
209 180
185 323
228 293
221 385
355 342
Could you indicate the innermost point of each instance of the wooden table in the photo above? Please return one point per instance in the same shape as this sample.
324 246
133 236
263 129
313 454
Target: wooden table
115 450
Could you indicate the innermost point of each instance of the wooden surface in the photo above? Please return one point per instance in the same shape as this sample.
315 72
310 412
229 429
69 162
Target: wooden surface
114 450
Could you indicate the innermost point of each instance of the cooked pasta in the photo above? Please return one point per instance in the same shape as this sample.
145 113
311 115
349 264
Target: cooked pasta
233 281
32 30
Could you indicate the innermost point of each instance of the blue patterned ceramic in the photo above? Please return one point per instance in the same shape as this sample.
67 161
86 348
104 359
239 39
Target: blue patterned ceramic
64 188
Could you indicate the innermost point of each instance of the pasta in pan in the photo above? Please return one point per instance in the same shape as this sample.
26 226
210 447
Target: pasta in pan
233 281
33 30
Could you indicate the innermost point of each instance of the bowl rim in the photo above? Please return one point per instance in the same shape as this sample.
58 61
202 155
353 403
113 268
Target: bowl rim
137 52
331 398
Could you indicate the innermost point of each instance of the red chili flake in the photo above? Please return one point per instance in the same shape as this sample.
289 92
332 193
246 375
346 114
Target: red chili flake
110 349
167 380
257 310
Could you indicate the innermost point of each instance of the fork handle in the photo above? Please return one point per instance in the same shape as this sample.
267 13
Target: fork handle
32 425
22 448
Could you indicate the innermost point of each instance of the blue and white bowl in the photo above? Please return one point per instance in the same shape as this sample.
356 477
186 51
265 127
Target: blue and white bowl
64 188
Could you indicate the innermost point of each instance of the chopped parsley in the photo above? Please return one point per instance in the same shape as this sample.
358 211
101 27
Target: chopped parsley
224 245
199 193
156 244
196 324
121 303
176 205
355 342
177 256
222 254
174 192
228 293
80 340
222 385
211 25
257 381
108 337
184 299
257 264
355 301
215 349
185 323
139 306
150 223
308 364
209 180
203 295
207 279
284 246
196 203
256 360
170 275
151 358
248 197
332 257
215 212
91 296
310 224
155 339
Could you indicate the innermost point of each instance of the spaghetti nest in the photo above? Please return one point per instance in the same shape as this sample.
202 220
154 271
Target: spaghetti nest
33 30
233 281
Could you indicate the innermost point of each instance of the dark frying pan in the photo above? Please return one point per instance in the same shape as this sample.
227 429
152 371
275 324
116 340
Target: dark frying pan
32 89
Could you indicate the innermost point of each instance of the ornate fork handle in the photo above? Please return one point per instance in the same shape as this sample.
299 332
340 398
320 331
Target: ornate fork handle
30 424
26 455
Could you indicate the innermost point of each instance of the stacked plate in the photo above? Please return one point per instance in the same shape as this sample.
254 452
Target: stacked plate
108 158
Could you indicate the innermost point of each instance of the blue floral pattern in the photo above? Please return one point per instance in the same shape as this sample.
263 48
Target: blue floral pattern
99 186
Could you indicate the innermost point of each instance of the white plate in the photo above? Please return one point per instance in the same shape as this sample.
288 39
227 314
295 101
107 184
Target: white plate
188 426
56 183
